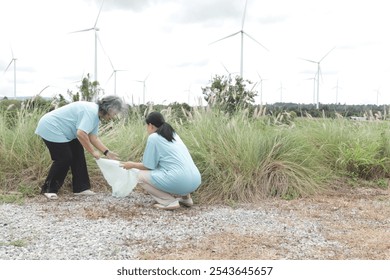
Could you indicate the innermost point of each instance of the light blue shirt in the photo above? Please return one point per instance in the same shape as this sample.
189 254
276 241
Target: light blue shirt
61 125
172 167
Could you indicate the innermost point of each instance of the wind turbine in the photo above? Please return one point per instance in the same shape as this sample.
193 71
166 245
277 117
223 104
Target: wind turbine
144 86
314 87
114 71
242 32
261 88
95 29
319 73
13 60
337 91
281 92
377 97
114 74
189 94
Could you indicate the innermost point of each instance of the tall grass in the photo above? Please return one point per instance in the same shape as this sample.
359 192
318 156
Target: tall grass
245 159
241 157
23 155
356 149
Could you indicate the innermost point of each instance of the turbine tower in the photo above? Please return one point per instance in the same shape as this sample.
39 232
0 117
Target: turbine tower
13 60
281 92
261 87
318 74
242 32
337 90
114 74
314 87
95 29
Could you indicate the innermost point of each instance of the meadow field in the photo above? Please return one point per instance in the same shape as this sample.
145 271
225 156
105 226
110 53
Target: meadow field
243 157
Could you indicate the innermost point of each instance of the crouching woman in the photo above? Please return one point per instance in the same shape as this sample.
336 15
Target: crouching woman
167 169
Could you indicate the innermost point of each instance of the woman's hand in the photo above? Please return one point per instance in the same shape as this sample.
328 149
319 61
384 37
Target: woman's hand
127 164
112 155
96 154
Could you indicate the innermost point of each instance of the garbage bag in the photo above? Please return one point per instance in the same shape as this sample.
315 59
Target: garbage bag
122 181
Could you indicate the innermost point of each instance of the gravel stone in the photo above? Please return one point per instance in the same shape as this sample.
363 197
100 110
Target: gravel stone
103 227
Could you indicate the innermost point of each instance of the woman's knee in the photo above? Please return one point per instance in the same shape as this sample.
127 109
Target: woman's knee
144 177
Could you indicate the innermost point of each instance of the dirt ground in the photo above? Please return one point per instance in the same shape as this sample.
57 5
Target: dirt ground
351 223
356 218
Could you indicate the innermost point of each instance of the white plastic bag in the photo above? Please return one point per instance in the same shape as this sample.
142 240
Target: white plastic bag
122 181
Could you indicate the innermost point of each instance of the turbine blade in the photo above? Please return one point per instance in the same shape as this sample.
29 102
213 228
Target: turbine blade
243 17
8 66
101 6
327 54
254 85
312 61
112 74
84 30
104 51
225 68
255 40
225 37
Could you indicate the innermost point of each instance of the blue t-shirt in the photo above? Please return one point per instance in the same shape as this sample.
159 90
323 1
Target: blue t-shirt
61 125
172 167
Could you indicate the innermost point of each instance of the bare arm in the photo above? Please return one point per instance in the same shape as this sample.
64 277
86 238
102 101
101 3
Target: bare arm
132 164
85 141
95 141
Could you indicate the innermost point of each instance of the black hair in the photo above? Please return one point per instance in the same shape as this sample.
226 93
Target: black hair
163 128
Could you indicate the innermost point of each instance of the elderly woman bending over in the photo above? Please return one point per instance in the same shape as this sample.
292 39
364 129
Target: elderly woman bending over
67 131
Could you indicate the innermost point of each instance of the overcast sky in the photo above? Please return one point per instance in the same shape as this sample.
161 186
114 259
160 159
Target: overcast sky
168 42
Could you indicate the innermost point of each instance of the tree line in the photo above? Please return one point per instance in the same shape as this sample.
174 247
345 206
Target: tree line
224 93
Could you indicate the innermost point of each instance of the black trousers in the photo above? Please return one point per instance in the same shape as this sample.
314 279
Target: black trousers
64 156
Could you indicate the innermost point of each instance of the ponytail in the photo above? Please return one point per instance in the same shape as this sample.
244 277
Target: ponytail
163 129
166 131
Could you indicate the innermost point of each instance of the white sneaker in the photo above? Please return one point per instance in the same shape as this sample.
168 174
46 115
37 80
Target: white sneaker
171 206
188 202
86 193
51 196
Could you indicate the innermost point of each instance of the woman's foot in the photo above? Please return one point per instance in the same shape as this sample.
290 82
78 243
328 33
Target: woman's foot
171 206
85 193
51 196
186 201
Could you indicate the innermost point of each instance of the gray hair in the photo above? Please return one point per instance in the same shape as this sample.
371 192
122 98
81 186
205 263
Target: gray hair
111 105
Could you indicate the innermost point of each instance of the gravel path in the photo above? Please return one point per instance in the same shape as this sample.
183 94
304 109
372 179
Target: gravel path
103 227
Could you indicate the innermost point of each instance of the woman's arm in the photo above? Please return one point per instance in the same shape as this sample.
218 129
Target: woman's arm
84 139
132 164
95 141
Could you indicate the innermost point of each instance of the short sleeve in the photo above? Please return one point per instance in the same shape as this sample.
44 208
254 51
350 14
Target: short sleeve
151 155
87 122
